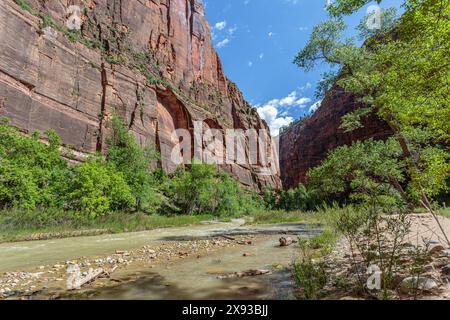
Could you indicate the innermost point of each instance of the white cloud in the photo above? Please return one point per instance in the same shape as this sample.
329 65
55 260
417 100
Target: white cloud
315 106
220 25
232 30
220 30
250 63
303 101
276 118
293 100
223 43
289 100
269 113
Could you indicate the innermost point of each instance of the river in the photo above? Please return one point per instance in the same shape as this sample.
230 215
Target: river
192 278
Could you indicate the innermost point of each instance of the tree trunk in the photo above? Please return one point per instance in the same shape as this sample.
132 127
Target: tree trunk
413 166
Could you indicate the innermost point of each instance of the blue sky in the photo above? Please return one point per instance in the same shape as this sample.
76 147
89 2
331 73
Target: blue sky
257 41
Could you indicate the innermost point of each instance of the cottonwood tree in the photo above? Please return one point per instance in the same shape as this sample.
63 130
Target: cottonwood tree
402 74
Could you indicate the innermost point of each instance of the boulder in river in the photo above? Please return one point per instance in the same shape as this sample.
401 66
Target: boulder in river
285 242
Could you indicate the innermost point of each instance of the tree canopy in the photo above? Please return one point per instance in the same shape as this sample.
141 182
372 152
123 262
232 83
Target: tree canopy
401 73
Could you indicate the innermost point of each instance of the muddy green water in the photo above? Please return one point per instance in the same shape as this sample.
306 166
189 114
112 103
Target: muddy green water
198 279
187 279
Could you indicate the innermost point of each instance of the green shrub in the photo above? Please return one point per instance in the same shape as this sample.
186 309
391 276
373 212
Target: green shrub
271 198
299 198
134 163
17 219
192 191
34 175
204 190
295 199
311 278
367 171
17 188
233 200
31 172
324 242
97 188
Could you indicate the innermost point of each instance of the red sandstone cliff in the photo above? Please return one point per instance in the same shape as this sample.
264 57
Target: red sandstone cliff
305 145
150 60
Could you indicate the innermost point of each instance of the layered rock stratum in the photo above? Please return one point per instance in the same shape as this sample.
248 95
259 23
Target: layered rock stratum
150 61
306 144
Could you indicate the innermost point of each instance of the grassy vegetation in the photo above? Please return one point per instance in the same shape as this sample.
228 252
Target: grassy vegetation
20 225
310 278
281 216
309 271
445 212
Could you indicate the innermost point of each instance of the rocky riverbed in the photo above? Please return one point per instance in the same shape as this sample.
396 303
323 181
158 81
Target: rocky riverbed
184 257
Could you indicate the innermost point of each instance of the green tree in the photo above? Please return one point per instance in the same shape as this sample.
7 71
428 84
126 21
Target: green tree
202 189
401 74
97 188
31 173
299 198
134 162
367 170
192 191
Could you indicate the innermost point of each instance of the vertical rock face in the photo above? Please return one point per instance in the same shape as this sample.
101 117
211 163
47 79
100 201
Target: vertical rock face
150 61
306 145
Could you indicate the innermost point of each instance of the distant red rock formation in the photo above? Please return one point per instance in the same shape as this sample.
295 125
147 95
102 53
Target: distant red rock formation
306 145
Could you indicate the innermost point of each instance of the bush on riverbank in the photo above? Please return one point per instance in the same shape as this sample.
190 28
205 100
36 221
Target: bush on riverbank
32 173
33 176
300 198
203 189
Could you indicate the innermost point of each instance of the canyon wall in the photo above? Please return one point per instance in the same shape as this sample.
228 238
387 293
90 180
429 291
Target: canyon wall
306 145
150 61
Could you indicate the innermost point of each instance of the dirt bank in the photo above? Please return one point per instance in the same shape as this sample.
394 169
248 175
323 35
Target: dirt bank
347 270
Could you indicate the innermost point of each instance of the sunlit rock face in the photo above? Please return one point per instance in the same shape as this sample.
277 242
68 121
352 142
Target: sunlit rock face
307 144
152 62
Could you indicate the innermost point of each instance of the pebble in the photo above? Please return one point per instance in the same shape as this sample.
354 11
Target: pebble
421 283
446 269
436 249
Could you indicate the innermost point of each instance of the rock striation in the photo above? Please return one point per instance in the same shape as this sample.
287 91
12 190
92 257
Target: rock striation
150 61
